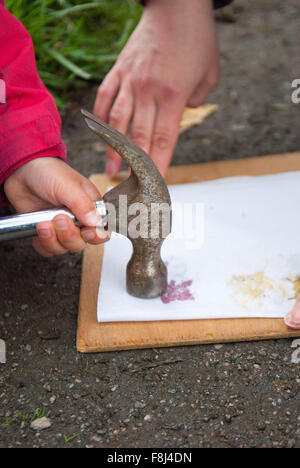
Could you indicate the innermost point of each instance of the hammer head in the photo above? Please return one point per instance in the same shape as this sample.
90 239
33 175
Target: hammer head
140 209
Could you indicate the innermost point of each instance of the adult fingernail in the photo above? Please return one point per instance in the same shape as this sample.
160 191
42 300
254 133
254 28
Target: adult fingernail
61 224
111 167
287 319
92 218
291 320
44 233
88 235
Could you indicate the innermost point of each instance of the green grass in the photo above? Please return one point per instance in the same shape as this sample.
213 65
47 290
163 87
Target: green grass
87 368
36 414
40 413
76 41
70 438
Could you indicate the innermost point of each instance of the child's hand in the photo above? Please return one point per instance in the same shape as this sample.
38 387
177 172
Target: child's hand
47 183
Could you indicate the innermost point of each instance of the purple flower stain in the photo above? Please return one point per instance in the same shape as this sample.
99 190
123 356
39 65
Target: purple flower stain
178 292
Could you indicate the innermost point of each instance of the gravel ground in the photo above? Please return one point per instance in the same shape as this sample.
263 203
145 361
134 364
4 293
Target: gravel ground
235 395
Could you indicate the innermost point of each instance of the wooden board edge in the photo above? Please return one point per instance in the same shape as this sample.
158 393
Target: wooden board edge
82 336
281 333
83 348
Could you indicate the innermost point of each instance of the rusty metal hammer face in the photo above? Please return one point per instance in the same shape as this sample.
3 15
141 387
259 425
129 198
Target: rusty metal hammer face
145 191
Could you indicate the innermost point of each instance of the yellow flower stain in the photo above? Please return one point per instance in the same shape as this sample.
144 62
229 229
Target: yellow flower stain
297 287
257 286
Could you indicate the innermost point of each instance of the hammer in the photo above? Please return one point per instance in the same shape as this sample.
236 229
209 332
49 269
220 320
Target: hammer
145 191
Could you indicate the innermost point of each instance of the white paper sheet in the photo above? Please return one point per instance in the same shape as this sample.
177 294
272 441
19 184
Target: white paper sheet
247 266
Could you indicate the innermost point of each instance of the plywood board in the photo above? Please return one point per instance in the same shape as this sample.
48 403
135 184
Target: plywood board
95 337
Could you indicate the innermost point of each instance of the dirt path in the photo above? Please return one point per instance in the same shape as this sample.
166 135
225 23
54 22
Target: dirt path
237 395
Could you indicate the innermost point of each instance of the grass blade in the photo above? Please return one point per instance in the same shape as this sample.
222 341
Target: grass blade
68 64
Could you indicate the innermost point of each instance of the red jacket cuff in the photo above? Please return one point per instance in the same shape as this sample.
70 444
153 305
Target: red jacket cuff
58 151
21 143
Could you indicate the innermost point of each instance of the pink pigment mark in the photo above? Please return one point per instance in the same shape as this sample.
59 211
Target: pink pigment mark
2 92
178 292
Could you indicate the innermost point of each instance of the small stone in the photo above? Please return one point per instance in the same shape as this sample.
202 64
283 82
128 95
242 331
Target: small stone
261 426
218 346
41 424
147 417
139 405
291 444
228 418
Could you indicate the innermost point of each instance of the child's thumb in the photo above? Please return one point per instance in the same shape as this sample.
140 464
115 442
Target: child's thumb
80 200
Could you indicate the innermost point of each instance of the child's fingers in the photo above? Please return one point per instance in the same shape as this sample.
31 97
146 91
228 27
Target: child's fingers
62 235
95 236
39 249
68 235
78 194
48 239
48 242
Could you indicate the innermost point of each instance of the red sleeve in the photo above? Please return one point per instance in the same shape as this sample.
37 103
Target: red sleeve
30 125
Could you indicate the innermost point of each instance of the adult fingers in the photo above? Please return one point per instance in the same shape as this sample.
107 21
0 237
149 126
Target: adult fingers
204 89
119 118
143 123
165 135
292 319
106 94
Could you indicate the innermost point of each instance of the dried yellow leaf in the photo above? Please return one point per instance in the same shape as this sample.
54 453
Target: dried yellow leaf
195 116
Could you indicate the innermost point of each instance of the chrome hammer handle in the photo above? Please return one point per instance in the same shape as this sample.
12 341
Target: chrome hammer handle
24 225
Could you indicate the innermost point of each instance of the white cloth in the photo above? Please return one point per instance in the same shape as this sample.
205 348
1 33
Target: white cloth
246 267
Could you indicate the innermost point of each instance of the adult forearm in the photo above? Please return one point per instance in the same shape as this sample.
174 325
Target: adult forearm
216 3
173 19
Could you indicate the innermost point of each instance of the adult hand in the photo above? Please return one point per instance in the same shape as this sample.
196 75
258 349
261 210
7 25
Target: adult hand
292 319
170 61
47 183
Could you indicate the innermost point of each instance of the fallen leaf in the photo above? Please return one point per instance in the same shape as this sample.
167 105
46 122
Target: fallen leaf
195 116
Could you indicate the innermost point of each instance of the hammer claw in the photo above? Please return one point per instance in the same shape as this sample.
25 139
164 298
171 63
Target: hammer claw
110 135
146 272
